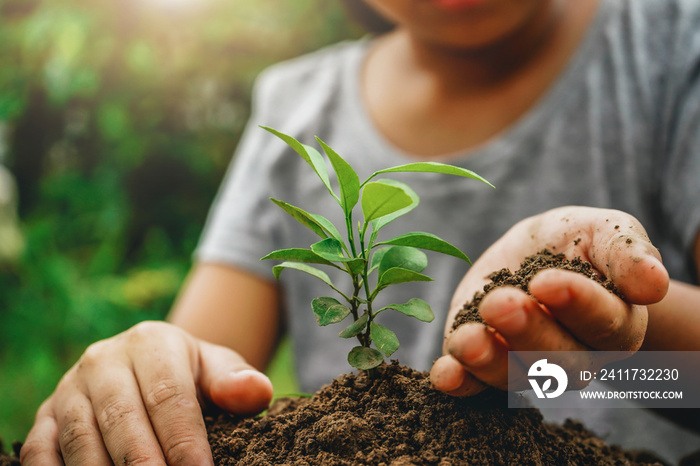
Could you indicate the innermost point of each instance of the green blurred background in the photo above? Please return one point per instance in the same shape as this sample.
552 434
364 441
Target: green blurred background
118 119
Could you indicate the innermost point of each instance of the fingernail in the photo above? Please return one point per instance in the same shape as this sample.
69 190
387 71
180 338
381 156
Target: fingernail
480 358
447 375
555 296
246 375
471 347
507 320
654 262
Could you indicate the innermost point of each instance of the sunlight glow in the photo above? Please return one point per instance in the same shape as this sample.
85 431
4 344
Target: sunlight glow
177 4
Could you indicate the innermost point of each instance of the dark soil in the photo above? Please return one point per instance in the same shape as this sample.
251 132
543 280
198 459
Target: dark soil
521 278
398 419
6 460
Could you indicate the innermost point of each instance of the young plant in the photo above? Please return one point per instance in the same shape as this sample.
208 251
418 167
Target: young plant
360 254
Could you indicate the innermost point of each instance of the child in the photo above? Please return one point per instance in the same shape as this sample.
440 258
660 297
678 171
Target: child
556 102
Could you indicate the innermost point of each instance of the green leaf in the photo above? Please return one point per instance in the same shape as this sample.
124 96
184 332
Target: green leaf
397 275
404 257
297 255
329 310
431 167
356 327
379 223
348 180
377 258
303 217
356 265
317 223
426 241
331 250
385 339
380 198
364 358
414 308
309 154
321 275
328 227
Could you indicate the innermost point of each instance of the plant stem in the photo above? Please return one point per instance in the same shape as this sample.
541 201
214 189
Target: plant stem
354 304
372 374
365 274
351 234
365 279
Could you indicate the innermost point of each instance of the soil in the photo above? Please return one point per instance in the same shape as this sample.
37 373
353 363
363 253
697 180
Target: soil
545 259
397 419
7 460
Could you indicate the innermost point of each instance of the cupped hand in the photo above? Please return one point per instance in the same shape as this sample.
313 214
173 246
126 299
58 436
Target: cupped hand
137 398
565 311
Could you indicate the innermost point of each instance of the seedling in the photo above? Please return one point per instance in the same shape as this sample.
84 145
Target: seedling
360 254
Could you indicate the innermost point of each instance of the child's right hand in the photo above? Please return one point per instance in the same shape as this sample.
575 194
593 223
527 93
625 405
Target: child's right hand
564 311
135 398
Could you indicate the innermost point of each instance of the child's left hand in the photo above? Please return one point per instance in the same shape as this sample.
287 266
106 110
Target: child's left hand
567 311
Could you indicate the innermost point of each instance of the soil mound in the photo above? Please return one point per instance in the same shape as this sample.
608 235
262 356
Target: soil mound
399 419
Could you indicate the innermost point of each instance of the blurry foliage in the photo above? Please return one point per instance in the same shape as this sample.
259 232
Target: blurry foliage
118 120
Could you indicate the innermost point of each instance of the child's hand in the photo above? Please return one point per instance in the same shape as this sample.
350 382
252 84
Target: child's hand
135 398
567 311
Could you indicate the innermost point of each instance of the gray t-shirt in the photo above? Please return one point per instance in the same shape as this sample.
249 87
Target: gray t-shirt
618 129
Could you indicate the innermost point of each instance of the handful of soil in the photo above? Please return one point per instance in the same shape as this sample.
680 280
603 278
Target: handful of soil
544 259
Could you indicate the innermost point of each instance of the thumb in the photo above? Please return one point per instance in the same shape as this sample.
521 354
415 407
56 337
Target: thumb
634 265
230 382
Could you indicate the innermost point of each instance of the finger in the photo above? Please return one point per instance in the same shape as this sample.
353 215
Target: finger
79 435
482 354
115 405
41 446
451 377
232 384
524 324
166 382
614 241
595 316
625 254
121 416
530 330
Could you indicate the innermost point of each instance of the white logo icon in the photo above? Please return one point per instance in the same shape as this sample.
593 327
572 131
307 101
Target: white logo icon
542 368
